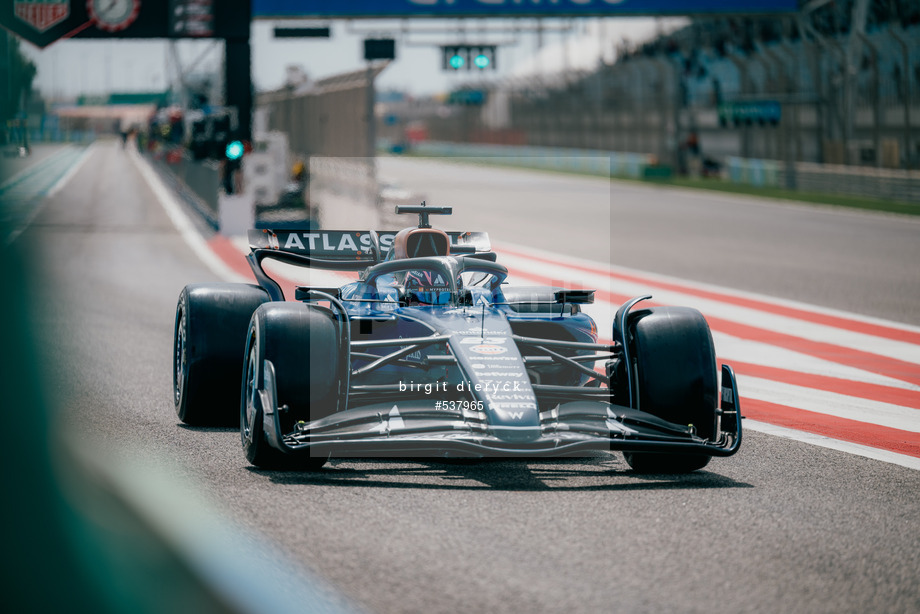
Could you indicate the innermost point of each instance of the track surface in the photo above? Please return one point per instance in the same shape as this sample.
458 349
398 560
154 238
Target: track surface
782 526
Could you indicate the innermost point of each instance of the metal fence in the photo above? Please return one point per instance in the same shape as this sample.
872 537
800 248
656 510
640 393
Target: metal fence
330 126
327 119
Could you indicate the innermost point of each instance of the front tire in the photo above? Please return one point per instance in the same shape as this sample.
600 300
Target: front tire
302 343
675 380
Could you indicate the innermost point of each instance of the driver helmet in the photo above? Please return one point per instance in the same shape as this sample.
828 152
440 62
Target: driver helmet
423 286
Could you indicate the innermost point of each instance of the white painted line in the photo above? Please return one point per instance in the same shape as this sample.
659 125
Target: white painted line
732 348
58 185
73 170
911 462
753 352
735 349
36 168
704 287
787 325
182 223
833 404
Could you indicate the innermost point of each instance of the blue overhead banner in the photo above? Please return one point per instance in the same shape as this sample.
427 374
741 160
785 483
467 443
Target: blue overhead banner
514 8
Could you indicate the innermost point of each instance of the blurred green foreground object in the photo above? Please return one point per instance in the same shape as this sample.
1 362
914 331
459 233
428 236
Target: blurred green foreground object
41 571
86 532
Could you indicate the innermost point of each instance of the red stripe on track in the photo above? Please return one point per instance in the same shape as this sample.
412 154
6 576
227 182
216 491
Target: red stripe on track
875 363
862 433
867 361
862 390
855 326
224 249
236 260
227 251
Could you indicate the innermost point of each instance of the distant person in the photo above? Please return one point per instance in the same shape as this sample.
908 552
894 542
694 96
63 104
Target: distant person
299 172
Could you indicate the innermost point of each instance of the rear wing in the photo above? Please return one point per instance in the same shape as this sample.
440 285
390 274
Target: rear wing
328 247
341 250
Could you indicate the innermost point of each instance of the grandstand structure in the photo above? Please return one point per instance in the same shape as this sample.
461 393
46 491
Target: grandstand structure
837 83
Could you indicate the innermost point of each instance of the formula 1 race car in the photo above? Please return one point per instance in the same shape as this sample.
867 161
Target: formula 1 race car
429 353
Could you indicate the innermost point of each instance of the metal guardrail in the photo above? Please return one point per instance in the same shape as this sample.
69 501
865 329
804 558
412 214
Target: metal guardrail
893 184
900 185
588 161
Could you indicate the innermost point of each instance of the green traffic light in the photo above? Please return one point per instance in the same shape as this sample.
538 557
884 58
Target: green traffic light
234 150
456 62
481 61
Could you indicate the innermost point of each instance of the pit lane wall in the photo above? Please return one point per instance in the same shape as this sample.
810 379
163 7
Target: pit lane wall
323 124
196 182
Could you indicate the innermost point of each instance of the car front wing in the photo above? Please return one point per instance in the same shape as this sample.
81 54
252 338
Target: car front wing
418 428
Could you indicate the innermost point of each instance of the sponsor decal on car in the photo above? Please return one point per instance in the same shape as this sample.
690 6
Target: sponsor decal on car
479 332
330 242
492 340
510 397
501 373
512 405
488 350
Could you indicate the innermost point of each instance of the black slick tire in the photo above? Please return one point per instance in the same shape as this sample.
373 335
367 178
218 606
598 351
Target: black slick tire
676 380
302 343
209 335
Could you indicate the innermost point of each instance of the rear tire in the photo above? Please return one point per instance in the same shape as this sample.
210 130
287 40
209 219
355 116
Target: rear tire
210 332
302 343
675 379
